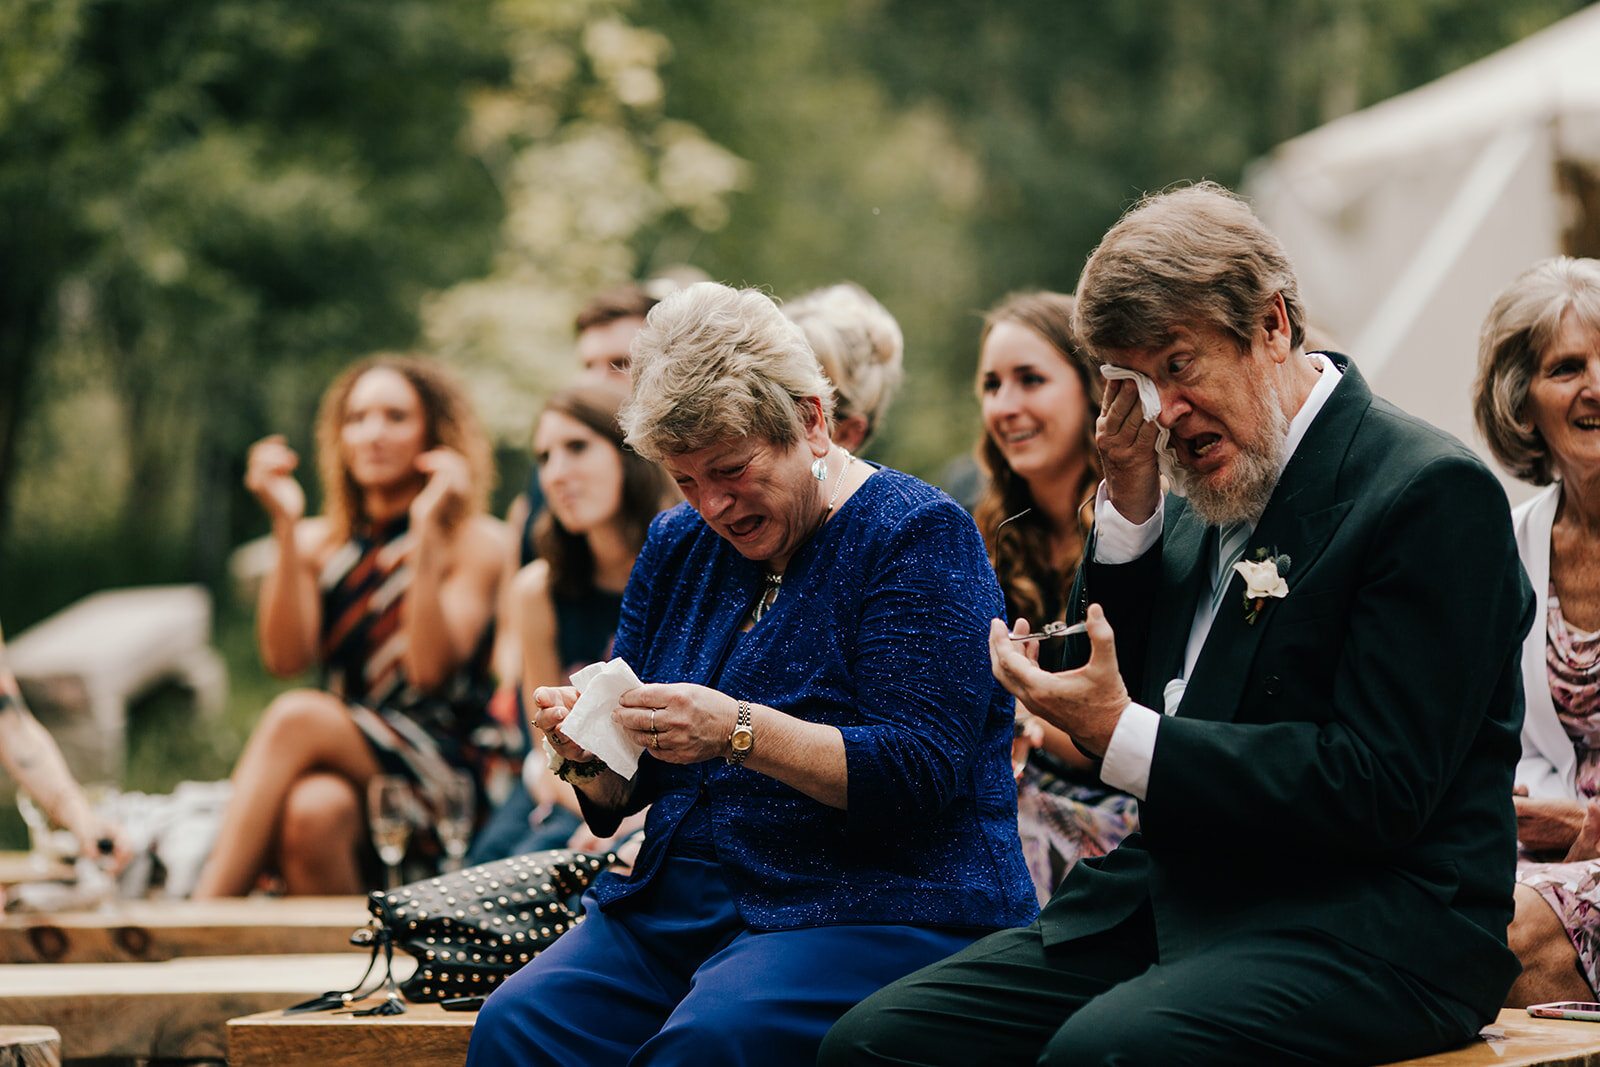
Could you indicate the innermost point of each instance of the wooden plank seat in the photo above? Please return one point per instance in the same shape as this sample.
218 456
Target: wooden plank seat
148 930
175 1009
1517 1039
80 667
428 1034
425 1034
29 1046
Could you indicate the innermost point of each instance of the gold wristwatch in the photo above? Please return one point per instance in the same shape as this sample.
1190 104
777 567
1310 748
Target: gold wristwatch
742 739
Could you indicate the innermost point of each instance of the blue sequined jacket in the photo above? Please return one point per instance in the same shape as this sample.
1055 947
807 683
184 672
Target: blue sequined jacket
881 630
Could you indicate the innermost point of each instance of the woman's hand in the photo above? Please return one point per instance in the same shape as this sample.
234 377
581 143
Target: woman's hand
449 482
678 723
1126 441
552 704
1586 846
1548 824
269 475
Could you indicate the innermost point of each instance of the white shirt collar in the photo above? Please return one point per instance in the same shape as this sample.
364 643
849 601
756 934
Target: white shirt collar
1308 411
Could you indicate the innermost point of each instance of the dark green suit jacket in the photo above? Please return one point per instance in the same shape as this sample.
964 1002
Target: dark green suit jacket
1344 763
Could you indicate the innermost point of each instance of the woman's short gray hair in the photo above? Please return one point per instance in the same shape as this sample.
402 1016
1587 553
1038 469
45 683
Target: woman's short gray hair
859 345
1523 322
714 362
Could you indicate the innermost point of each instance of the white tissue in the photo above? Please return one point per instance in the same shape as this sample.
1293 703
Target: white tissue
589 723
1150 403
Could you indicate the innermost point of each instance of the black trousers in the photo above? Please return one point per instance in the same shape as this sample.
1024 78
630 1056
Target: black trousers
1285 997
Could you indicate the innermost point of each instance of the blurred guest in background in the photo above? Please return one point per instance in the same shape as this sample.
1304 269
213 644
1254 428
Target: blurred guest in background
860 347
1537 404
1039 403
390 594
30 755
825 755
599 500
605 327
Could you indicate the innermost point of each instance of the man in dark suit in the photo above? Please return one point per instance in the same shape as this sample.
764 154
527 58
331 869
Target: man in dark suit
1322 737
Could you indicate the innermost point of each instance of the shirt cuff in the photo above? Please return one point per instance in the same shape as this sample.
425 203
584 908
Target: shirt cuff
1116 540
1133 746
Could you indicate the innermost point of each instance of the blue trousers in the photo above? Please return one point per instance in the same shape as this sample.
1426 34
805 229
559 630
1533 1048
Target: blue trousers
677 978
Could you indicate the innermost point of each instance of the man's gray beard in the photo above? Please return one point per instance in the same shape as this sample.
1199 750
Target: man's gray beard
1255 475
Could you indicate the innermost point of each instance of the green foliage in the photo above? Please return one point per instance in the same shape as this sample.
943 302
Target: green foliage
216 205
1042 121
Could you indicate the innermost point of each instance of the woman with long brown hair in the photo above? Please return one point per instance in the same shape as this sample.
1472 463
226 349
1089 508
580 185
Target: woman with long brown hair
1039 403
599 498
390 595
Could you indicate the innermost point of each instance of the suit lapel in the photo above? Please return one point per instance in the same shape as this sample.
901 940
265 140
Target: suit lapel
1299 521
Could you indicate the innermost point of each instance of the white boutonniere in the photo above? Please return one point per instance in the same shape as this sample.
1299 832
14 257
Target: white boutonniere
1263 580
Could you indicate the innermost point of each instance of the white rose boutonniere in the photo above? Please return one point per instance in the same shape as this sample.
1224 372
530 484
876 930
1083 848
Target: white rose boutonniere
1263 581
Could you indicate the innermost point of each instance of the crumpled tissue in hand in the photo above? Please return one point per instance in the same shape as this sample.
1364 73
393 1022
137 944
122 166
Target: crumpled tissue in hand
589 723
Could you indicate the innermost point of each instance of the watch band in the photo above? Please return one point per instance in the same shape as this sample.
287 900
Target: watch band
741 739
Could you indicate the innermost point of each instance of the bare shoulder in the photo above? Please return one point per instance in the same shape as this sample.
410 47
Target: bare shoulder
484 541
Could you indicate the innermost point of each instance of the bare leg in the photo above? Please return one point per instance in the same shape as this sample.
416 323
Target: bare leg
302 731
323 826
1549 962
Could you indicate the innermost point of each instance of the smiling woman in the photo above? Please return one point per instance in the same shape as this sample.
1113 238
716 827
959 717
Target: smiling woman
825 751
1537 402
389 594
1039 404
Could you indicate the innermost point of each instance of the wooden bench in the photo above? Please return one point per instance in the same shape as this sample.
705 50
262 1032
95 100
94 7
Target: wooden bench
425 1034
428 1034
177 1009
149 930
79 668
29 1046
1516 1039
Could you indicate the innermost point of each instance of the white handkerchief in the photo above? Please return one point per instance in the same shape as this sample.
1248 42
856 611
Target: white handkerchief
1151 402
589 723
1149 399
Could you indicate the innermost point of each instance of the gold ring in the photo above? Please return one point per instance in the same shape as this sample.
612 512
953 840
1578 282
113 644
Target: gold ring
655 739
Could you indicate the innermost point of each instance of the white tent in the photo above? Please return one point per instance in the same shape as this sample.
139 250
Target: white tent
1405 219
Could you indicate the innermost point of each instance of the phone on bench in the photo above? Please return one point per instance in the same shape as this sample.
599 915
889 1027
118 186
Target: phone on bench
1586 1010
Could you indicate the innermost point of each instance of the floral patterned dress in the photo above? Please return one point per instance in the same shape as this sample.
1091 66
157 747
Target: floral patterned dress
1573 889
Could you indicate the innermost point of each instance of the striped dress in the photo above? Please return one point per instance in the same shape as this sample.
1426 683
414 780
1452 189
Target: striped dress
422 737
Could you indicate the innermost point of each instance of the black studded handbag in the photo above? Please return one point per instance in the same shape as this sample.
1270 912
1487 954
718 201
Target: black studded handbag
471 929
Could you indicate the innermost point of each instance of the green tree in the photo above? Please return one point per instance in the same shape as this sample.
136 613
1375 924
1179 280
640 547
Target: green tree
215 205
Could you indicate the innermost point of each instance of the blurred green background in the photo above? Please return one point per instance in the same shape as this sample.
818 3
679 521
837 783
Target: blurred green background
206 209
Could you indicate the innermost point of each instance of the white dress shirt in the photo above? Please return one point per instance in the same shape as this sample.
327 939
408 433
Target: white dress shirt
1133 744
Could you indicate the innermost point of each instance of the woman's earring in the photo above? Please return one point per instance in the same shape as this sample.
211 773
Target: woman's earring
819 468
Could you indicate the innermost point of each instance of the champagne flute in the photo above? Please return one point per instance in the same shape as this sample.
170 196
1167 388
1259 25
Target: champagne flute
41 846
389 816
457 798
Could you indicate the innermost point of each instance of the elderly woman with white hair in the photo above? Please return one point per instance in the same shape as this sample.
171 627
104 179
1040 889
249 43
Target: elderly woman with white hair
860 348
826 756
1537 403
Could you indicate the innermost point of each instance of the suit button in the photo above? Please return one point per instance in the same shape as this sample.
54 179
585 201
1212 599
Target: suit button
1272 685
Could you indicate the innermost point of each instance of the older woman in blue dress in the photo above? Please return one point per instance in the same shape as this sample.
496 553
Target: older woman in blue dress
1537 403
826 756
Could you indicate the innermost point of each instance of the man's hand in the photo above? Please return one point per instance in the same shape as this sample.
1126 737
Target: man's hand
1086 703
1127 445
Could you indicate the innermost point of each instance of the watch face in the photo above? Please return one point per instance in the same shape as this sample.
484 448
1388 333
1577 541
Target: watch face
743 737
